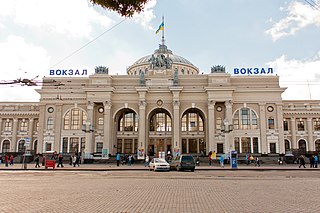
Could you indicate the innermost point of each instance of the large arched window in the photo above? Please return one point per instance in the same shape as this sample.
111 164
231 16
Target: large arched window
6 146
74 119
192 121
302 145
128 121
160 121
245 118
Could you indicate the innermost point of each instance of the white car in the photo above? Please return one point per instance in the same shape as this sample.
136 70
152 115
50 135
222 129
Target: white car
158 164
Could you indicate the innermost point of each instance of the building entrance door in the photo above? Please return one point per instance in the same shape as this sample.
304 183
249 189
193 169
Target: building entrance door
160 146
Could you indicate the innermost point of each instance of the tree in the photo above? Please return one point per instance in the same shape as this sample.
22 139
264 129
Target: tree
125 8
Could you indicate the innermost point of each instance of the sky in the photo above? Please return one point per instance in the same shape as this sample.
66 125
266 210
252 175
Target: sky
39 35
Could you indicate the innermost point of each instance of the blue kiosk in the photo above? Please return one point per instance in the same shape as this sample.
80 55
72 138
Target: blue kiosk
234 159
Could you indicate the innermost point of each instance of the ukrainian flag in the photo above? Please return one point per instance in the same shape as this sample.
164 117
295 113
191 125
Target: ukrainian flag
161 27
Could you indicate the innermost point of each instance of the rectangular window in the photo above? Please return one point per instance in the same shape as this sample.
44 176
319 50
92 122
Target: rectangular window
100 123
184 123
255 145
246 145
236 144
202 145
271 123
23 126
218 124
75 119
66 124
220 148
184 146
316 124
128 146
74 145
193 146
99 147
8 126
48 147
83 144
64 145
50 123
300 125
285 125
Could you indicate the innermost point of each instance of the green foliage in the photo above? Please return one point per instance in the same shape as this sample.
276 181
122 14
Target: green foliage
125 8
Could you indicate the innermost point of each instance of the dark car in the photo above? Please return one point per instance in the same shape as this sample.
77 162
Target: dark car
183 162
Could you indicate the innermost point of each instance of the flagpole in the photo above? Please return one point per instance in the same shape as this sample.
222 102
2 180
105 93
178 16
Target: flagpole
163 31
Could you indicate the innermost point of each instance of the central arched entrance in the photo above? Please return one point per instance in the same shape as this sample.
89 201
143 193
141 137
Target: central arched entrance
160 136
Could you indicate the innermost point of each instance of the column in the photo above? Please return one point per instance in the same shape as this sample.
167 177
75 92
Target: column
310 135
280 129
228 120
293 133
58 125
41 128
263 129
107 130
211 127
176 143
89 134
13 144
30 133
142 120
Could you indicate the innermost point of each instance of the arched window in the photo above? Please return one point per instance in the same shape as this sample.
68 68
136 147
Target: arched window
302 145
245 118
192 121
21 146
128 121
160 121
6 146
286 145
50 123
317 145
74 119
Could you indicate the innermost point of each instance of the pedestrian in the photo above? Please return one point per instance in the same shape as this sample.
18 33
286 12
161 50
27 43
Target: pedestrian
251 159
132 159
74 160
37 160
257 162
7 160
129 160
118 158
316 160
280 162
11 159
60 159
71 160
302 161
247 159
210 158
312 161
222 161
43 160
146 163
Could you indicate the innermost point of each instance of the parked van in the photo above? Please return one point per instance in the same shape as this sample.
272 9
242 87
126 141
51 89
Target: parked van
183 162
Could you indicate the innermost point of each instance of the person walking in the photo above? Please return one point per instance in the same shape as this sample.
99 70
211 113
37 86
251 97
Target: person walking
146 163
210 159
302 161
118 158
11 160
316 160
312 161
247 159
129 160
222 161
7 160
257 162
37 160
60 159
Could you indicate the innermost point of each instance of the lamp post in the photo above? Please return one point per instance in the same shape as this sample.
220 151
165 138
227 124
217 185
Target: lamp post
227 128
88 129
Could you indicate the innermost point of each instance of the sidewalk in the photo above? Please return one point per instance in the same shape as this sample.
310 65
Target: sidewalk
141 167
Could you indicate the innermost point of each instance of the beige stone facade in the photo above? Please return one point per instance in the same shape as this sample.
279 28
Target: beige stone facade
162 104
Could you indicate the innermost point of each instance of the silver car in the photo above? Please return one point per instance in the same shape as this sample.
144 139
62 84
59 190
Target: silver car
158 164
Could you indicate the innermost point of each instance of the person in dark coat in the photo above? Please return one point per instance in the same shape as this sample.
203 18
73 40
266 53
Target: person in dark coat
302 161
37 160
60 158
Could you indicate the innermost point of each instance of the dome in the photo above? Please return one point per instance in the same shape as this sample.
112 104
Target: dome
162 59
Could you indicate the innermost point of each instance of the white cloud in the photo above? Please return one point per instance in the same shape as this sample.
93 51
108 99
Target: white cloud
300 76
73 18
21 60
147 15
299 16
